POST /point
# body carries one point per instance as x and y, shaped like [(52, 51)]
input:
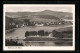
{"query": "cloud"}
[(36, 8)]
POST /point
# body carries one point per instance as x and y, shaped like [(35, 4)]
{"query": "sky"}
[(38, 7)]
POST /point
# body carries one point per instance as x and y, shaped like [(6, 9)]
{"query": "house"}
[(39, 24), (23, 25)]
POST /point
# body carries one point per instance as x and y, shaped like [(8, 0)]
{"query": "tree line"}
[(35, 33), (54, 33)]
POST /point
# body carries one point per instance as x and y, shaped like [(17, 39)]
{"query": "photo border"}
[(56, 2)]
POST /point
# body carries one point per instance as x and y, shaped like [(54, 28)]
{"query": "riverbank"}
[(10, 30), (46, 39)]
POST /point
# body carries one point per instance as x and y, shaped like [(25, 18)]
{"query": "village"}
[(12, 23)]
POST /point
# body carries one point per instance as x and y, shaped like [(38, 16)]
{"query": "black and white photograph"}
[(39, 27)]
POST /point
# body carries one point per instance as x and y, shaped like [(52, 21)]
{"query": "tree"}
[(26, 33), (34, 33), (41, 32), (27, 21), (8, 22), (46, 33), (54, 32), (57, 34)]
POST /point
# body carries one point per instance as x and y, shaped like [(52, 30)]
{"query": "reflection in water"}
[(48, 43), (38, 43)]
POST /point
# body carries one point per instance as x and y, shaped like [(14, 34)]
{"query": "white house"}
[(39, 24)]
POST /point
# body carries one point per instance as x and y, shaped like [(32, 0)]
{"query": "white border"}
[(49, 48)]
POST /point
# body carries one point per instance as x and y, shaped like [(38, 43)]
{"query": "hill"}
[(46, 15)]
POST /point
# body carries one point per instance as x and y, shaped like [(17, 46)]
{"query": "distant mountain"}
[(41, 16)]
